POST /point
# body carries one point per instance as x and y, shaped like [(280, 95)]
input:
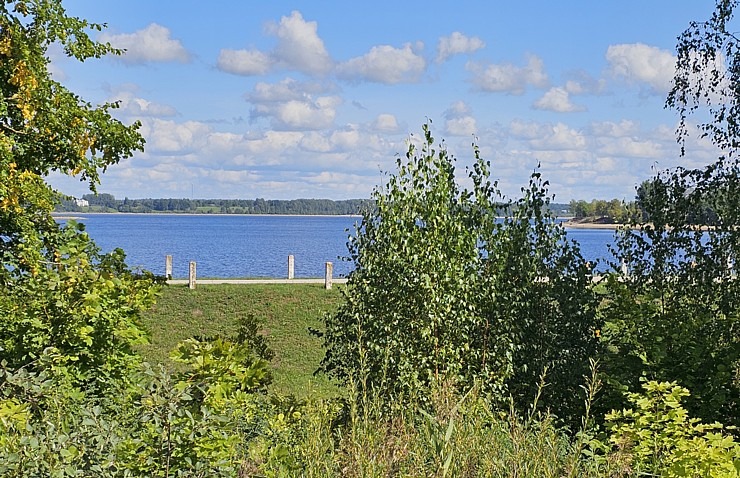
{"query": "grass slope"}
[(285, 310)]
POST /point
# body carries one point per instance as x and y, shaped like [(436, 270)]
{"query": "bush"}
[(443, 290), (656, 437)]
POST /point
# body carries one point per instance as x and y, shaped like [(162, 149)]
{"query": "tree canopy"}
[(62, 302), (675, 317)]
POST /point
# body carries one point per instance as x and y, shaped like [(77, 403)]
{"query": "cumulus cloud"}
[(580, 82), (386, 123), (299, 45), (300, 115), (557, 99), (457, 44), (632, 148), (298, 48), (507, 77), (286, 90), (625, 139), (166, 136), (244, 62), (459, 120), (294, 106), (616, 130), (151, 44), (130, 104), (557, 137), (640, 63), (384, 64)]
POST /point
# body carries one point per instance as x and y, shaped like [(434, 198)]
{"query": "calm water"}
[(250, 246)]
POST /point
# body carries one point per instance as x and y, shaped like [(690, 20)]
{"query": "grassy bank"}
[(286, 312)]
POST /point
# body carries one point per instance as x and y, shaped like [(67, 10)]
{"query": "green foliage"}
[(656, 437), (441, 289), (48, 427), (195, 423), (59, 297), (80, 314), (676, 316), (614, 210), (452, 435)]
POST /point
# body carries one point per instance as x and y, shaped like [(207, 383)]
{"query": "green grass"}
[(285, 310)]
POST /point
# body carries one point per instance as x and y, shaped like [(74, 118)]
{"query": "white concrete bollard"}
[(168, 267), (191, 276), (291, 266), (328, 274)]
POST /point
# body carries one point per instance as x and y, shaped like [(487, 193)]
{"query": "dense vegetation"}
[(432, 266), (104, 202), (468, 345), (615, 210), (108, 203)]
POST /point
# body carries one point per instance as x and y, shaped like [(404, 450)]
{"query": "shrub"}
[(657, 437), (443, 290)]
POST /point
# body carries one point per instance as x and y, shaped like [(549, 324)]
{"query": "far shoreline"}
[(593, 225), (81, 215)]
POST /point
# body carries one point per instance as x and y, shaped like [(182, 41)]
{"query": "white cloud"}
[(457, 44), (459, 120), (384, 64), (457, 109), (640, 63), (632, 148), (224, 142), (315, 142), (286, 90), (557, 99), (386, 123), (579, 82), (272, 143), (165, 136), (525, 130), (615, 130), (151, 44), (507, 77), (244, 62), (130, 104), (299, 45), (298, 48), (557, 137), (300, 115), (465, 126), (294, 106), (347, 139)]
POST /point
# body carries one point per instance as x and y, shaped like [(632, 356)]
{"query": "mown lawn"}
[(285, 310)]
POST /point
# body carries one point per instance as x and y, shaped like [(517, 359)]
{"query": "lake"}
[(231, 246)]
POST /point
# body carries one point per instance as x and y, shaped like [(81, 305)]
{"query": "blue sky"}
[(287, 100)]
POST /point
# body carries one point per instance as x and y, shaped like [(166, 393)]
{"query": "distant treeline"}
[(108, 203), (615, 210), (104, 202), (701, 212)]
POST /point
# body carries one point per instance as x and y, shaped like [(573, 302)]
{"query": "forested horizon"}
[(104, 202)]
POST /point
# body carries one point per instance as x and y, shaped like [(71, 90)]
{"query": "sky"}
[(289, 99)]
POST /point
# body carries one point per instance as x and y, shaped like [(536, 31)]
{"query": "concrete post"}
[(625, 271), (291, 266), (168, 267), (328, 274), (191, 276)]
